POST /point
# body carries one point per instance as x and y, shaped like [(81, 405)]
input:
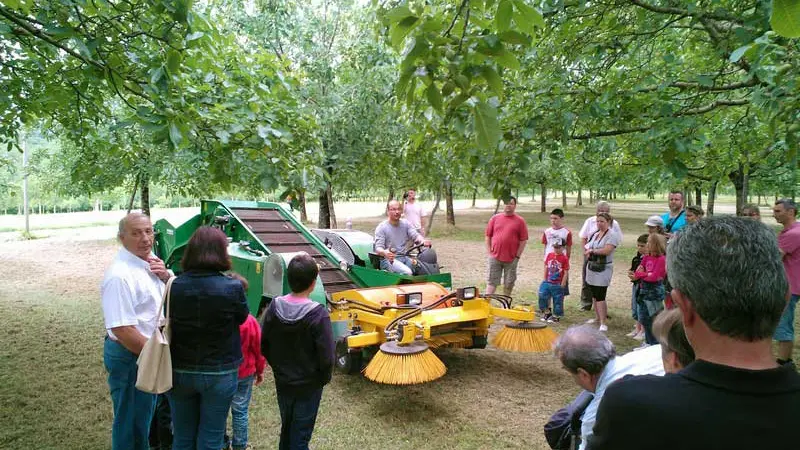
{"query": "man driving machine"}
[(393, 237)]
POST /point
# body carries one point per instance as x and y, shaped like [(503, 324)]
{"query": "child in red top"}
[(252, 368), (556, 273), (651, 273)]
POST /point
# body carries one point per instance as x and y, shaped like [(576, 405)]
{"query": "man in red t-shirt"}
[(506, 236), (784, 212)]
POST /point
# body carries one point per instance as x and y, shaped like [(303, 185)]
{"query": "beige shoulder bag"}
[(154, 374)]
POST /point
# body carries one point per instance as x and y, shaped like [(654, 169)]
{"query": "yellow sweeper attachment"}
[(405, 322)]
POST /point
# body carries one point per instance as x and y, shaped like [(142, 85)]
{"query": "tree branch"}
[(685, 12)]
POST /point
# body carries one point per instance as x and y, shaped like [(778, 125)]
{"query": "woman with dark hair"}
[(599, 252), (206, 309)]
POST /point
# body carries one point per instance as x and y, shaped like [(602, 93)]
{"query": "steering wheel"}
[(413, 251)]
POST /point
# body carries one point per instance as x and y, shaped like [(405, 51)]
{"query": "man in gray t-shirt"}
[(393, 235)]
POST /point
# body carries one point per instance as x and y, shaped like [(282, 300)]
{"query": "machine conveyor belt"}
[(281, 236)]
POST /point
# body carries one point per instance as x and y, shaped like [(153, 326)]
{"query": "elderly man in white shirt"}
[(587, 230), (130, 293), (590, 357)]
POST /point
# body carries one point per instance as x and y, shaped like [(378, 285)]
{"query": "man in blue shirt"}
[(675, 219)]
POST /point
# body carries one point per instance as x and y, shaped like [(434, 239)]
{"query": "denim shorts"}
[(785, 330)]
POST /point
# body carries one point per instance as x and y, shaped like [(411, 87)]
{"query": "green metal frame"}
[(170, 242)]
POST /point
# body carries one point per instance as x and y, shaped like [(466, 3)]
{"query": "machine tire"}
[(479, 342), (348, 361)]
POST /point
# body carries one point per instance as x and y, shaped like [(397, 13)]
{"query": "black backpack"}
[(563, 430)]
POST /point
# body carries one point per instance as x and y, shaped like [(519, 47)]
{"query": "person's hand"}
[(259, 378), (640, 269), (587, 252), (426, 243), (389, 255), (158, 268)]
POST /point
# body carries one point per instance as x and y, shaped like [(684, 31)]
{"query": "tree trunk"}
[(145, 195), (497, 206), (563, 198), (448, 192), (324, 210), (433, 211), (301, 197), (740, 181), (591, 196), (474, 196), (544, 197), (579, 199), (391, 197), (331, 208), (133, 194), (698, 197), (533, 195), (712, 196)]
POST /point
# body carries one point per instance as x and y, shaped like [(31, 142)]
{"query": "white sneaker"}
[(591, 321), (640, 336), (632, 333), (603, 328)]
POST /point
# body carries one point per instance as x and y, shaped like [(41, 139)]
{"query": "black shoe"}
[(586, 307)]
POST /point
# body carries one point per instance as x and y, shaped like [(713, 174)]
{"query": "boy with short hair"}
[(297, 340), (557, 230), (556, 273)]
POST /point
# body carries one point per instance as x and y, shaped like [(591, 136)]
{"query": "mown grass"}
[(54, 394)]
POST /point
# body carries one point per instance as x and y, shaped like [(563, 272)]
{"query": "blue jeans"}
[(239, 413), (133, 409), (547, 291), (650, 301), (200, 403), (298, 415), (401, 264), (785, 330), (634, 306)]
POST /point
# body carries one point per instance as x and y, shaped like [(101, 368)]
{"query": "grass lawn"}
[(54, 394)]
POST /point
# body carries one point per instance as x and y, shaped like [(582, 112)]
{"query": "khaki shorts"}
[(508, 271)]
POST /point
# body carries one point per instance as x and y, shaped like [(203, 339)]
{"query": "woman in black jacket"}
[(206, 310)]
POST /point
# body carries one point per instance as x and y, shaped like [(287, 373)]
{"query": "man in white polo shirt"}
[(130, 293)]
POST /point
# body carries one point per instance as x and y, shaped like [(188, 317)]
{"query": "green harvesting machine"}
[(263, 239)]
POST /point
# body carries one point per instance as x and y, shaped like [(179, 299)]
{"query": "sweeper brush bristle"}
[(530, 337), (454, 340), (404, 364)]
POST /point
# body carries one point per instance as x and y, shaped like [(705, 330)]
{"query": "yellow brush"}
[(527, 337), (404, 364)]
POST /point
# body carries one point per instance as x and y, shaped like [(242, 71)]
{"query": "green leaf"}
[(502, 21), (175, 135), (515, 37), (173, 62), (194, 36), (434, 97), (402, 82), (81, 47), (157, 74), (493, 80), (737, 54), (529, 16), (398, 14), (412, 88), (401, 30), (487, 128), (785, 19), (705, 80), (462, 81), (507, 59), (419, 50)]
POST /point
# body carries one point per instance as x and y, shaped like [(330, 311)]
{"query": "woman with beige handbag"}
[(206, 310)]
